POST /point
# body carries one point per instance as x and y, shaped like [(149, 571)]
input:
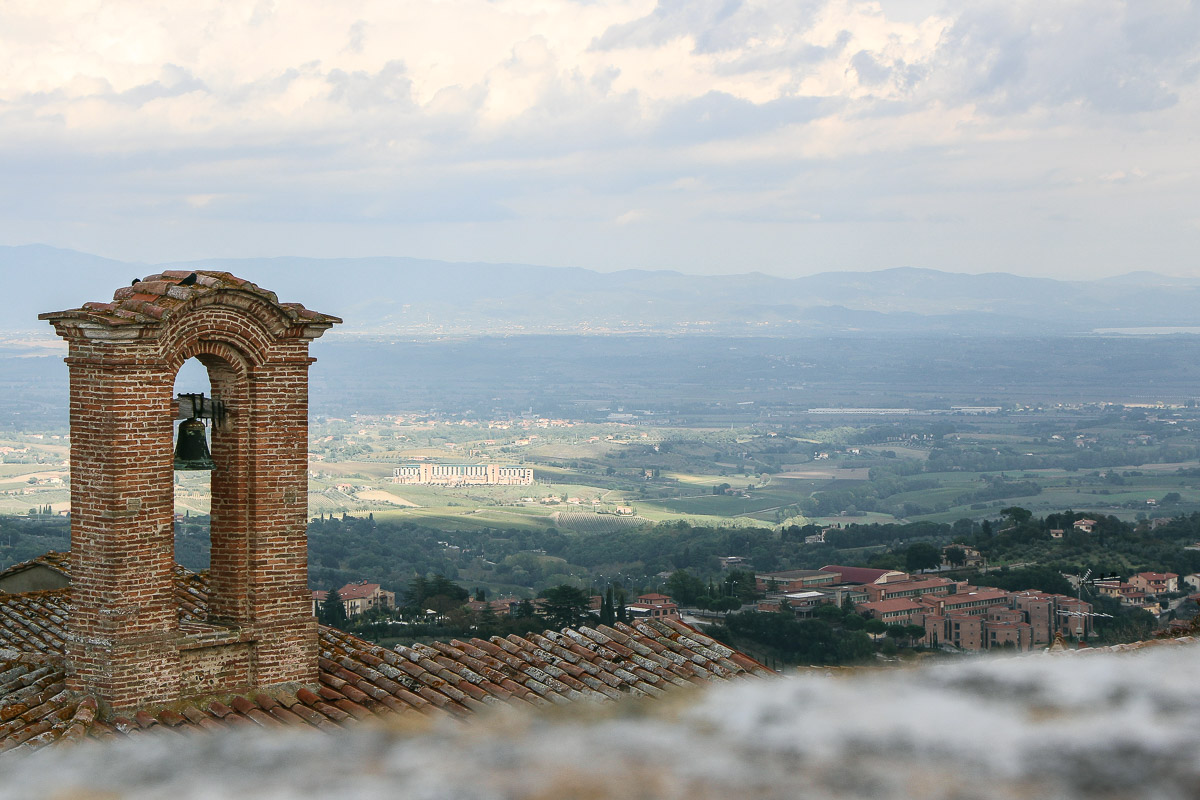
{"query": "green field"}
[(1097, 461)]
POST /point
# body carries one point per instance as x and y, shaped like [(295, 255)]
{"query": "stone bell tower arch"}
[(126, 641)]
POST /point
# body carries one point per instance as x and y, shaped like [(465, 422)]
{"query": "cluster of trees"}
[(1123, 623), (565, 605), (1112, 546), (434, 606), (729, 594), (833, 635), (438, 594), (344, 549), (921, 556), (23, 538), (890, 485), (872, 495), (347, 548), (999, 488), (782, 637)]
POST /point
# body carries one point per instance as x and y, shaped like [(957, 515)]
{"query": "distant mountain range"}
[(407, 296)]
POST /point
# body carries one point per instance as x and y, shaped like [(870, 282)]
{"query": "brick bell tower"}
[(126, 642)]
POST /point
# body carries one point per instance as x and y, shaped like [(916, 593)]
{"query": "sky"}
[(1054, 138)]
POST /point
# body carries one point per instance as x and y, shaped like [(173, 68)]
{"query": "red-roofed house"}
[(359, 598), (1127, 593), (653, 605), (1113, 588), (652, 610), (970, 556), (1156, 582)]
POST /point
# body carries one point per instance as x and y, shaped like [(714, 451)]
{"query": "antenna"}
[(1085, 582)]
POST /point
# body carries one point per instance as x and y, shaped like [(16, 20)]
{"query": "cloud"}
[(175, 82), (357, 36), (1114, 57), (670, 19), (721, 116), (793, 112), (388, 88)]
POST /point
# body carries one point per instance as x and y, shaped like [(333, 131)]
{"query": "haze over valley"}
[(421, 297)]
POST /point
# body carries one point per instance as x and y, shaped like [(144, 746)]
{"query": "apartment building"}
[(911, 588)]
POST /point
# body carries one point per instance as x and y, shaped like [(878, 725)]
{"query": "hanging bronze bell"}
[(191, 451)]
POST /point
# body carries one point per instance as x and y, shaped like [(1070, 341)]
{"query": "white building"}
[(462, 475)]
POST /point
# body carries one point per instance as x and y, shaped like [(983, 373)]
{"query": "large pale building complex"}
[(462, 475)]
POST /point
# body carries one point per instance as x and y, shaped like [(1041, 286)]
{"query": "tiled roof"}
[(791, 574), (153, 298), (191, 590), (915, 583), (859, 574), (359, 680), (59, 562), (977, 728), (33, 622), (895, 604), (358, 591), (35, 707)]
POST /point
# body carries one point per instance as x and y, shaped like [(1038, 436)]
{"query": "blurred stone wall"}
[(1071, 725)]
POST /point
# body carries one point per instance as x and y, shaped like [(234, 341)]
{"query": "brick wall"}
[(125, 642)]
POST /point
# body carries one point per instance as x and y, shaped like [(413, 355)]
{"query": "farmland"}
[(592, 477), (631, 501)]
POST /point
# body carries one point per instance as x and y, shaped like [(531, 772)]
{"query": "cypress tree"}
[(608, 614), (333, 610)]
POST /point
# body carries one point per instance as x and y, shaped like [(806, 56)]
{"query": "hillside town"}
[(931, 611)]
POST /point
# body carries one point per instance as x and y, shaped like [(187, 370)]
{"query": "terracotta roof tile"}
[(144, 719), (219, 709), (201, 720), (353, 709), (156, 297), (357, 680), (310, 716)]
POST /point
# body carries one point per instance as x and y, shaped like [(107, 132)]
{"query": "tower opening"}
[(193, 487)]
